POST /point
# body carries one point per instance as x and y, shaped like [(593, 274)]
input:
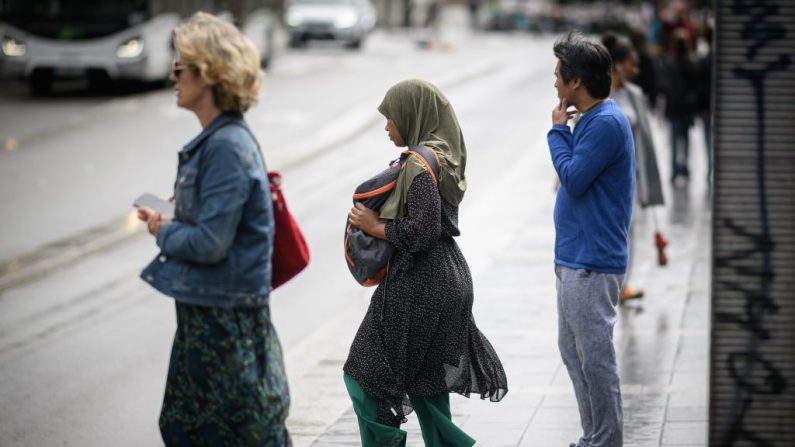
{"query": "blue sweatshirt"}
[(596, 166)]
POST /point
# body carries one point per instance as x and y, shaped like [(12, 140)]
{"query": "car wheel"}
[(99, 80), (40, 87), (354, 44), (297, 42), (40, 82)]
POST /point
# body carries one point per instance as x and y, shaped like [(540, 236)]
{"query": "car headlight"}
[(13, 47), (294, 20), (345, 20), (131, 48)]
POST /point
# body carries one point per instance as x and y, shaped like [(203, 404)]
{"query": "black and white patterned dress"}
[(419, 336)]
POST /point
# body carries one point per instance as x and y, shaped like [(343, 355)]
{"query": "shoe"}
[(660, 242), (629, 293)]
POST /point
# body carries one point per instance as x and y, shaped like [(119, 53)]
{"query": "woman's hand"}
[(367, 220), (152, 218)]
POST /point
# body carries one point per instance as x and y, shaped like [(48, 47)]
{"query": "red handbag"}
[(290, 250)]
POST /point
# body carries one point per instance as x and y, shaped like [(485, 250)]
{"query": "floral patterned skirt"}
[(226, 383)]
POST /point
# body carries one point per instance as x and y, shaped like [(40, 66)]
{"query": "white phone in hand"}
[(164, 207)]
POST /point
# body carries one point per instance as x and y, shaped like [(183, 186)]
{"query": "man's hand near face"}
[(561, 114)]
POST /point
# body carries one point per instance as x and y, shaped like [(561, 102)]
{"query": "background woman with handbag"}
[(418, 341), (226, 383)]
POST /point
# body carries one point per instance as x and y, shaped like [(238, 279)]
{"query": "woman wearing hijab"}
[(633, 103), (418, 341)]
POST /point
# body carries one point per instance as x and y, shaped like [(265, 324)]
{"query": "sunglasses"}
[(177, 69)]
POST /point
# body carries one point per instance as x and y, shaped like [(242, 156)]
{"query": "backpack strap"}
[(429, 158)]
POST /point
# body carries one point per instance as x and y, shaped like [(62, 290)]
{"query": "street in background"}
[(45, 40)]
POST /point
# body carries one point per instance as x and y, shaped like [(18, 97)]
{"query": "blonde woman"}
[(226, 383)]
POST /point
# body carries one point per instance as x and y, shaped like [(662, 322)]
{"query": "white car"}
[(348, 21), (46, 40)]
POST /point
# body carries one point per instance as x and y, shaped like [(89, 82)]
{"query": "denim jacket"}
[(217, 251)]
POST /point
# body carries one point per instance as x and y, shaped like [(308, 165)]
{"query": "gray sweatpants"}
[(586, 315)]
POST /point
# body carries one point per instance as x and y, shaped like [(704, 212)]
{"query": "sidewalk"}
[(662, 340)]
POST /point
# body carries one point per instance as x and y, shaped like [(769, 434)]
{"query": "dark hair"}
[(681, 44), (585, 60), (638, 40), (619, 47)]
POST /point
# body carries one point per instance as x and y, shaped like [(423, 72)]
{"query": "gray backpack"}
[(367, 256)]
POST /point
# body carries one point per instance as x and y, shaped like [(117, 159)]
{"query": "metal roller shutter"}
[(752, 378)]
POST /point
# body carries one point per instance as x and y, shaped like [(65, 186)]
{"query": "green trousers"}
[(438, 429)]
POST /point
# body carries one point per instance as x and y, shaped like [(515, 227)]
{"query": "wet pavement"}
[(661, 340)]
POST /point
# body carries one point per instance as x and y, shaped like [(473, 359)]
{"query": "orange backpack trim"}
[(425, 162)]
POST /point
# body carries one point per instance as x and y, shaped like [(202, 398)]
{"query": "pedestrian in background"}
[(632, 102), (704, 94), (681, 96), (226, 383), (418, 341), (676, 20), (474, 14), (646, 77), (596, 167)]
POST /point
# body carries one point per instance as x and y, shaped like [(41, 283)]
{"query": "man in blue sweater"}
[(596, 167)]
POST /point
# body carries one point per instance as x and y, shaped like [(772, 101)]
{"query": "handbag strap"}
[(244, 126), (274, 178)]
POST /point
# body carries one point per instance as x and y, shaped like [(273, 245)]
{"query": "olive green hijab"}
[(424, 117)]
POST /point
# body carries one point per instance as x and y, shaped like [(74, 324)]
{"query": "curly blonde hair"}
[(223, 57)]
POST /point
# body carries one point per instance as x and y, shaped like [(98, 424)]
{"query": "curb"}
[(33, 265)]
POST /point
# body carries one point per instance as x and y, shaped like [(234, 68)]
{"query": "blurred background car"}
[(347, 21), (260, 26), (47, 40)]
